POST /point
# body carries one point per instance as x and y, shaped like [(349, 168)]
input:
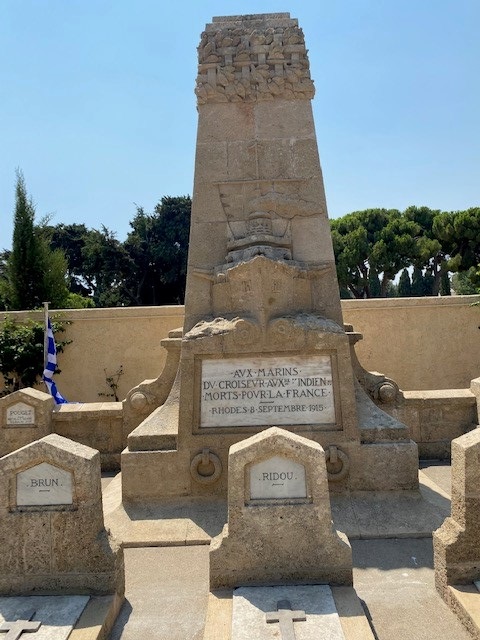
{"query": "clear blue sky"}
[(97, 105)]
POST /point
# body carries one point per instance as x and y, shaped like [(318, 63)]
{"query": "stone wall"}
[(435, 418), (105, 339), (421, 343)]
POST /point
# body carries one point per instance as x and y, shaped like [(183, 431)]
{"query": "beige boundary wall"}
[(421, 343), (105, 339)]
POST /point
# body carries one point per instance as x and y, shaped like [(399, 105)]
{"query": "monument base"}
[(152, 475), (238, 377)]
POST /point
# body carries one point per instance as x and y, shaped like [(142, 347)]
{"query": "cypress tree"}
[(33, 272), (445, 289), (404, 289), (374, 286), (418, 287), (24, 262)]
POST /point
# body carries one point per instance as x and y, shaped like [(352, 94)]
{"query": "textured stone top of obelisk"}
[(253, 57)]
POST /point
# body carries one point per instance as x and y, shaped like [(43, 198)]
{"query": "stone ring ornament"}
[(138, 401), (386, 391), (337, 459), (206, 467)]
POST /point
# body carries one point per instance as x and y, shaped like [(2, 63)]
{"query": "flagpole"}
[(45, 333)]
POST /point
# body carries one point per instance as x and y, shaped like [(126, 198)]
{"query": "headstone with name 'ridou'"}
[(52, 533), (279, 528), (264, 342)]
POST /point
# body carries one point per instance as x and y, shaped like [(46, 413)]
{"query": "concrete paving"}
[(167, 586), (394, 579)]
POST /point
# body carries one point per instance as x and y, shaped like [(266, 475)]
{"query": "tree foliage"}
[(430, 243), (149, 268), (31, 272), (158, 247), (404, 288), (381, 240), (459, 232), (379, 253), (21, 351)]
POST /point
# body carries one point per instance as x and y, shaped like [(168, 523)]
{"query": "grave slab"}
[(305, 612), (57, 614)]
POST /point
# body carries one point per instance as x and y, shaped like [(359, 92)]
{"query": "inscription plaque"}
[(267, 391), (20, 414), (44, 485), (277, 477)]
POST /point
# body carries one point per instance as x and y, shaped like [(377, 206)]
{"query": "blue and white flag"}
[(50, 367)]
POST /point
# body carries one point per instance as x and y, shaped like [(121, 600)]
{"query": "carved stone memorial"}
[(264, 342), (279, 526), (25, 416), (52, 534)]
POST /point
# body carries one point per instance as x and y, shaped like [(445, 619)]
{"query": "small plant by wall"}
[(112, 381), (21, 351)]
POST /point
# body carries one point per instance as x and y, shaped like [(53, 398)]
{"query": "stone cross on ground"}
[(286, 617), (16, 629)]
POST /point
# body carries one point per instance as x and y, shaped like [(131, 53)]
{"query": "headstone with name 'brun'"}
[(264, 342), (25, 416), (52, 533), (279, 528)]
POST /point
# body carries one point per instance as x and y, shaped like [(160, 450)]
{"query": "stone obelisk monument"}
[(263, 343)]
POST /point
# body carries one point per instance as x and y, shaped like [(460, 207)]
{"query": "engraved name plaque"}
[(44, 485), (20, 414), (267, 391), (277, 477)]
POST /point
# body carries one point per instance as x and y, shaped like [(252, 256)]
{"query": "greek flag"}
[(50, 367)]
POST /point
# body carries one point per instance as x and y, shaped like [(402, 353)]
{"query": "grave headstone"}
[(52, 533), (279, 526), (25, 416), (456, 543)]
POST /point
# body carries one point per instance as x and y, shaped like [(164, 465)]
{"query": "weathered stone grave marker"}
[(264, 343), (52, 534), (25, 416), (279, 526)]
